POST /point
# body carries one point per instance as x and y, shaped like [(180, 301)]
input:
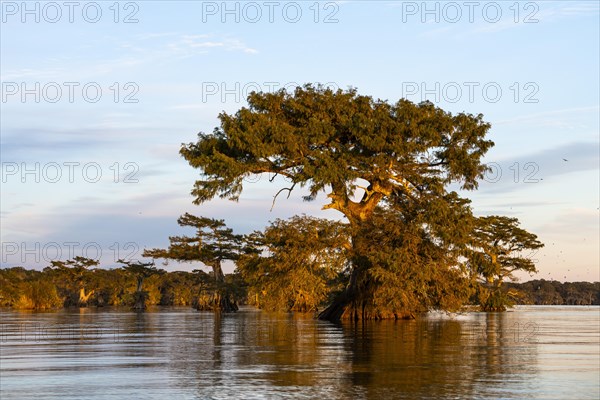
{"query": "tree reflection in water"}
[(279, 354), (182, 353)]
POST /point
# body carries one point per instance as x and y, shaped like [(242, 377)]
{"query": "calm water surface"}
[(179, 353)]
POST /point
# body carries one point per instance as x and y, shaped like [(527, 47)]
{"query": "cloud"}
[(134, 53), (100, 137), (166, 152), (36, 145), (189, 45), (539, 167), (484, 22), (154, 48), (574, 225), (156, 35), (194, 106), (563, 118), (568, 9), (530, 203), (30, 73), (514, 208), (141, 220)]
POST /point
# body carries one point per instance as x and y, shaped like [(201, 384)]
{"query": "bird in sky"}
[(564, 159)]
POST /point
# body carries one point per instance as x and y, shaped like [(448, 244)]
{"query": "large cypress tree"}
[(365, 155)]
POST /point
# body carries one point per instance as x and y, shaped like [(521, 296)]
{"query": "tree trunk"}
[(351, 303), (340, 307), (139, 303), (83, 297), (218, 273), (218, 299), (140, 283), (356, 301)]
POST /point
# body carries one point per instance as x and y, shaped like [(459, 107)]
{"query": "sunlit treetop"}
[(212, 243), (327, 140), (501, 247)]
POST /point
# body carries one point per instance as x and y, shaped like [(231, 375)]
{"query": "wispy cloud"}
[(135, 52), (189, 45), (540, 167), (193, 106), (552, 118), (575, 225), (30, 73), (510, 18)]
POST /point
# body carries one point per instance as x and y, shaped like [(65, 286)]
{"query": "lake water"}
[(178, 353)]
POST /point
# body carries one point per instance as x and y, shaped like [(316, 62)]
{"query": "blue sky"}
[(97, 98)]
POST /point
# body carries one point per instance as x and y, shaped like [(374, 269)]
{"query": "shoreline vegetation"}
[(24, 289), (405, 242)]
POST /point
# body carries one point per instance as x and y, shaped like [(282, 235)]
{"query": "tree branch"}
[(289, 189), (404, 183)]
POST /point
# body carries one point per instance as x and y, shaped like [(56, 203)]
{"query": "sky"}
[(97, 98)]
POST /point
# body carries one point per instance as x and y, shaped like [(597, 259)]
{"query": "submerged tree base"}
[(342, 309), (216, 301), (139, 301)]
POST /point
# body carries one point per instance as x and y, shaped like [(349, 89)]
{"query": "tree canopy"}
[(77, 271), (499, 248), (329, 140), (297, 265), (141, 271), (369, 156), (214, 242)]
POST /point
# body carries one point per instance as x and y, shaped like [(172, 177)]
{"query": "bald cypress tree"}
[(296, 264), (499, 248), (212, 244), (76, 276), (365, 154), (140, 271)]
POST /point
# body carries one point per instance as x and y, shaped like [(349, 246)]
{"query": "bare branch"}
[(289, 189)]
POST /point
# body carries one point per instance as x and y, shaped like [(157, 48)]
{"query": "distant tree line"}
[(53, 287), (543, 292), (280, 289)]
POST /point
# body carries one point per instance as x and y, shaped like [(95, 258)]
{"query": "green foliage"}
[(10, 280), (112, 287), (543, 292), (493, 298), (213, 243), (325, 139), (333, 142), (140, 271), (179, 288), (27, 289), (498, 249), (300, 259), (38, 295), (237, 287), (30, 289), (405, 266), (73, 277)]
